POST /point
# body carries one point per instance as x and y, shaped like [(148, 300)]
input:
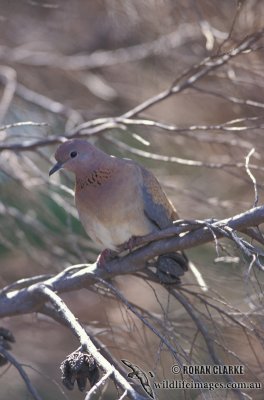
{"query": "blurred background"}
[(67, 62)]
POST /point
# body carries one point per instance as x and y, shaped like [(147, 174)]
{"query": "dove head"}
[(76, 155)]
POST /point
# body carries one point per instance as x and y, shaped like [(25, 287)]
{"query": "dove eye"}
[(73, 154)]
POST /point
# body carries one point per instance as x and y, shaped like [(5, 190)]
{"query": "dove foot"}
[(105, 256), (133, 242)]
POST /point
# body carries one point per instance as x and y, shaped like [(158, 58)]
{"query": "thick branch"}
[(25, 300)]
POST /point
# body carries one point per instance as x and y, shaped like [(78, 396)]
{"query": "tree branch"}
[(22, 373), (73, 278), (47, 294)]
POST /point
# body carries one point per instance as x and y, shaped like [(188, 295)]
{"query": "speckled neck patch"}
[(95, 178)]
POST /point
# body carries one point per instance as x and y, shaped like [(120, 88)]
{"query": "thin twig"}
[(86, 343), (9, 75), (143, 320), (203, 69), (252, 176), (100, 383), (52, 313), (23, 123), (207, 337), (22, 373), (99, 59), (174, 159)]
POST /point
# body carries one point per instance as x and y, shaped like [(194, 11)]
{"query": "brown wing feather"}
[(157, 206)]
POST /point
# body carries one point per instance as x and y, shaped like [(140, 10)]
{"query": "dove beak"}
[(55, 168)]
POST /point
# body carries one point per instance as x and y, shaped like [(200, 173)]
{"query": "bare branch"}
[(48, 294), (101, 125), (252, 177), (207, 337), (163, 44), (198, 72), (46, 81), (24, 123), (9, 75), (76, 277), (22, 373), (98, 385)]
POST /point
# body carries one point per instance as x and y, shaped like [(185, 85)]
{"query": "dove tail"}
[(171, 266)]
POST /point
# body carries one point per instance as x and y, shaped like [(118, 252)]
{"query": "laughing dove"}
[(118, 199)]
